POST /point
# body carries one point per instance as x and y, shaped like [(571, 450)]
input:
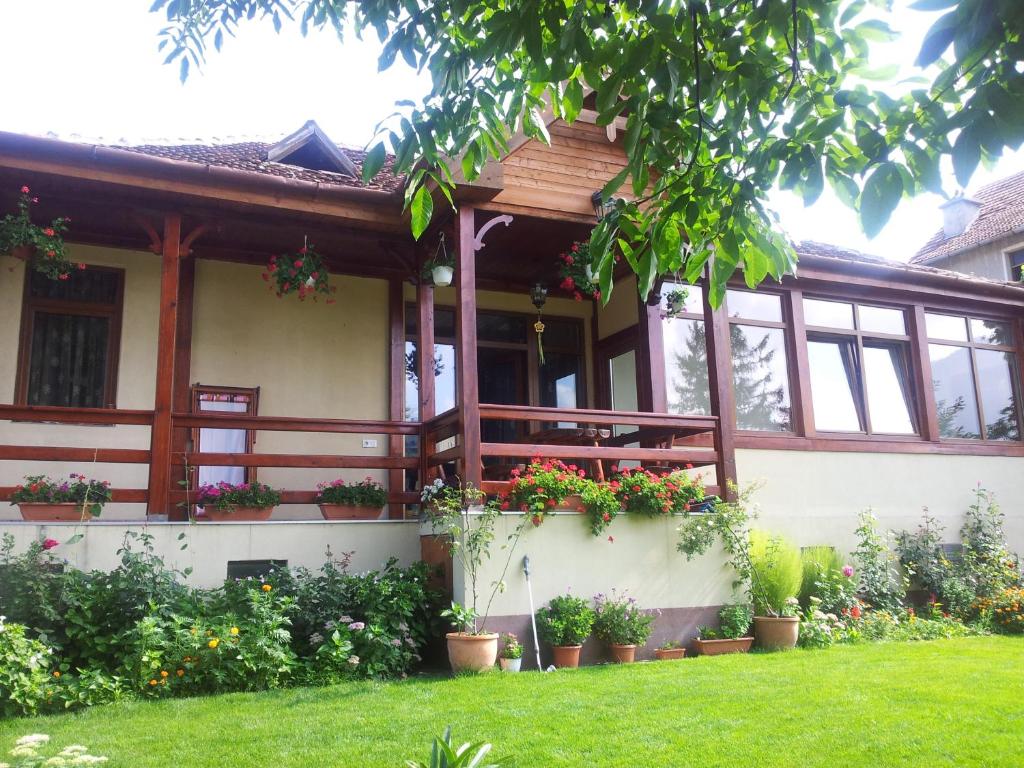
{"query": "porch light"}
[(602, 207), (539, 295)]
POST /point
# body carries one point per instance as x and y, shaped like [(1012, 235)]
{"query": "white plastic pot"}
[(442, 276)]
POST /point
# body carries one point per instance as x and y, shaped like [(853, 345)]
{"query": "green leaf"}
[(937, 40), (966, 156), (572, 104), (421, 209), (882, 192), (374, 161)]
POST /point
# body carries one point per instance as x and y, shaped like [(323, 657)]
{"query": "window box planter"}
[(566, 656), (719, 647), (623, 654), (776, 633), (472, 653), (667, 654), (236, 514), (573, 503), (349, 512), (43, 512)]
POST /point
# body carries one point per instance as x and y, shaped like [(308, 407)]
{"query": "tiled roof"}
[(827, 250), (252, 156), (1001, 214)]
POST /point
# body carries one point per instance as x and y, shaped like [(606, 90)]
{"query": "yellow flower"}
[(181, 673), (152, 682), (267, 587), (213, 643), (163, 673), (234, 630), (194, 630), (56, 673)]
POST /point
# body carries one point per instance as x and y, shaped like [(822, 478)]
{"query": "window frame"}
[(114, 313), (253, 409), (972, 347), (826, 334), (1012, 254)]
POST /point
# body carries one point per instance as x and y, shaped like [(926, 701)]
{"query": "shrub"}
[(89, 494), (227, 497), (879, 584), (642, 492), (1007, 610), (87, 688), (24, 671), (602, 506), (32, 751), (620, 621), (30, 587), (543, 486), (565, 620), (444, 754), (776, 573), (826, 578), (987, 564), (734, 620), (366, 493), (922, 556), (818, 628)]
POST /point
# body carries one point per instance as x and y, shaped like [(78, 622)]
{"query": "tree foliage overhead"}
[(723, 100)]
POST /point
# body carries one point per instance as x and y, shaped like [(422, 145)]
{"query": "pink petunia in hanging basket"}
[(303, 273)]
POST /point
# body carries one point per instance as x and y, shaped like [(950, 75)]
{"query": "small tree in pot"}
[(776, 575), (564, 623)]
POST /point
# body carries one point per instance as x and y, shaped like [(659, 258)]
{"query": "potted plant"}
[(776, 574), (77, 499), (246, 502), (731, 636), (578, 277), (564, 623), (622, 625), (360, 501), (467, 531), (546, 486), (642, 492), (674, 303), (303, 272), (511, 657), (440, 267), (42, 248), (669, 650)]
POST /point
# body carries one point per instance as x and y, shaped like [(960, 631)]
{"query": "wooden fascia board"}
[(371, 208)]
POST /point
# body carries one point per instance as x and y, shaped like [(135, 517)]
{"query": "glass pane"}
[(754, 306), (995, 375), (991, 332), (953, 384), (95, 286), (68, 360), (693, 303), (888, 388), (622, 381), (946, 327), (560, 378), (686, 366), (444, 322), (562, 333), (222, 441), (828, 314), (882, 320), (444, 379), (834, 387), (760, 378), (496, 327)]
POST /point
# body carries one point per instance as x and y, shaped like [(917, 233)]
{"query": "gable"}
[(310, 148)]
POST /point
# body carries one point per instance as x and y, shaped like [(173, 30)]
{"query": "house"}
[(982, 234), (861, 383)]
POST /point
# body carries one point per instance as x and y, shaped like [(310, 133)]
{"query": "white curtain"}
[(222, 441)]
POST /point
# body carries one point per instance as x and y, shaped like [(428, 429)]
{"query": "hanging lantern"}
[(539, 296)]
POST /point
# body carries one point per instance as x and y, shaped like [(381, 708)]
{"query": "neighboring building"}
[(983, 234), (861, 383)]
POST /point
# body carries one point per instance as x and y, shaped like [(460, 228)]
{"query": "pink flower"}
[(847, 571), (48, 232), (24, 190), (298, 264), (50, 543), (356, 626)]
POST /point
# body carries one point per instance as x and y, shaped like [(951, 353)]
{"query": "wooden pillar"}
[(425, 371), (181, 398), (921, 367), (465, 341), (160, 434), (796, 343), (652, 395), (396, 386), (720, 387)]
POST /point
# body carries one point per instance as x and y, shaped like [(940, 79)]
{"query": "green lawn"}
[(944, 703)]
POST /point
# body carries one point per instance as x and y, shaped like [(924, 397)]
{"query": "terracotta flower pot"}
[(572, 503), (666, 654), (236, 514), (776, 633), (23, 252), (41, 512), (348, 512), (472, 653), (510, 665), (566, 656), (623, 654), (727, 645)]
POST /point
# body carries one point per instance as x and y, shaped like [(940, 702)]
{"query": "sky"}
[(91, 70)]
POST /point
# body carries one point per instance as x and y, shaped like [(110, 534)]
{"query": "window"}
[(974, 377), (858, 356), (1016, 264), (70, 338), (237, 400), (686, 353), (759, 366)]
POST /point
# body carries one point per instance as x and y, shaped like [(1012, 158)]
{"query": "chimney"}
[(958, 214)]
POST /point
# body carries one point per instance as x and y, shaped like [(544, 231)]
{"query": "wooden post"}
[(653, 395), (181, 399), (803, 407), (720, 388), (425, 371), (160, 435), (465, 341), (396, 367), (921, 367)]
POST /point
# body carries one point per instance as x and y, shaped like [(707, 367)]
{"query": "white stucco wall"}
[(989, 260)]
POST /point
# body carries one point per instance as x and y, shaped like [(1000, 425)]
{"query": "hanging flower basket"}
[(674, 303), (303, 272), (42, 248), (439, 268), (579, 279)]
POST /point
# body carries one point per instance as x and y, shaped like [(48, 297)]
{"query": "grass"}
[(943, 703)]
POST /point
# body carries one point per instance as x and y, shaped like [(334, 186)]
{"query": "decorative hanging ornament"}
[(539, 295)]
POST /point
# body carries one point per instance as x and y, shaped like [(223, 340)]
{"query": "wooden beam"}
[(660, 455), (651, 374), (296, 460), (118, 495), (212, 420), (82, 455), (720, 388), (921, 371), (160, 434), (58, 415), (425, 372), (396, 387), (181, 398), (466, 346), (803, 408)]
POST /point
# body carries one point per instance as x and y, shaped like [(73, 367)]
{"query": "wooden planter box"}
[(718, 647), (667, 654), (236, 515), (42, 512), (349, 512)]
